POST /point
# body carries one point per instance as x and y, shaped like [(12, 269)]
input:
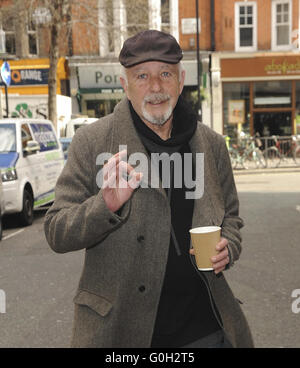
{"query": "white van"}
[(31, 160)]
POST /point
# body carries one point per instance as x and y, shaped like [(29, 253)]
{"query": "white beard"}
[(156, 98)]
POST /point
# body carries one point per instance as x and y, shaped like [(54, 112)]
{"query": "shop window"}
[(236, 102), (272, 94), (281, 24), (245, 26)]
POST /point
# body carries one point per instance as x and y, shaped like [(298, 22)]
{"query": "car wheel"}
[(26, 216)]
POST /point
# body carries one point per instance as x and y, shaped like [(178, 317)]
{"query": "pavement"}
[(274, 170)]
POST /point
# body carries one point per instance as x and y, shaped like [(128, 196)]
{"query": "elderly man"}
[(139, 286)]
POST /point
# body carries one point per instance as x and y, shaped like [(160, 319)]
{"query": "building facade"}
[(255, 68), (24, 44), (94, 78), (246, 75)]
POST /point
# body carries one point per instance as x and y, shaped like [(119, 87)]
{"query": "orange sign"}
[(260, 66)]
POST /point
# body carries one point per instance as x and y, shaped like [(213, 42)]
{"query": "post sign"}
[(189, 25), (6, 73), (236, 111)]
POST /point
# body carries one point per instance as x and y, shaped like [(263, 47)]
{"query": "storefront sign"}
[(29, 77), (283, 67), (24, 77), (260, 67), (108, 76), (236, 111), (100, 76)]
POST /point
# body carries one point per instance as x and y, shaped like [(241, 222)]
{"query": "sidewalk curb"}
[(278, 170)]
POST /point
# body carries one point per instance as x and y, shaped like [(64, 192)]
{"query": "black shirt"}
[(184, 313)]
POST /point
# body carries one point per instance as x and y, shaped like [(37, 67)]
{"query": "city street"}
[(39, 285)]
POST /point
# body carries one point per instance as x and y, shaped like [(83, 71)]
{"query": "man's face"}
[(153, 88)]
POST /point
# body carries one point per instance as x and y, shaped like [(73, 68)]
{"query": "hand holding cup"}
[(214, 247)]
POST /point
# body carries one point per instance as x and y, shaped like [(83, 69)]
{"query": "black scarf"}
[(184, 127)]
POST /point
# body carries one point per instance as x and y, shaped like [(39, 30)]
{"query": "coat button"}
[(112, 221), (142, 288), (140, 238)]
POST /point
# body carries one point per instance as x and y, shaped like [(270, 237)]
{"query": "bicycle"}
[(275, 154), (248, 155)]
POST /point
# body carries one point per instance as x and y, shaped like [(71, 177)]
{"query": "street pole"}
[(199, 67), (6, 100)]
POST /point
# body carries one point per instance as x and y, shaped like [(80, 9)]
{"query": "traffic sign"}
[(5, 73)]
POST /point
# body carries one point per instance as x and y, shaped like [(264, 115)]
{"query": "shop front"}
[(28, 91), (96, 88), (261, 94)]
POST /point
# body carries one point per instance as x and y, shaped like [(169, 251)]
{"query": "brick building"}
[(249, 56), (255, 69)]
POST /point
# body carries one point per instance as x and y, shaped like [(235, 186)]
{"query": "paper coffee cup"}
[(204, 241)]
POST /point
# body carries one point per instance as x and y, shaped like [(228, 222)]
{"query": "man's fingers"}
[(134, 182), (221, 264), (122, 176), (220, 256), (222, 244), (113, 162), (124, 169)]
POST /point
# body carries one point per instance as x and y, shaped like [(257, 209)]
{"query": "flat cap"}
[(150, 45)]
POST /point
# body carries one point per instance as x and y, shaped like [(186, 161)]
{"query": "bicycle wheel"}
[(259, 159), (272, 157), (233, 158), (296, 155)]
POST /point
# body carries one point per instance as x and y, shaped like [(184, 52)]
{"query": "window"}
[(281, 24), (272, 94), (165, 15), (231, 93), (26, 135), (32, 37), (8, 21), (45, 136), (8, 138), (9, 29), (245, 26)]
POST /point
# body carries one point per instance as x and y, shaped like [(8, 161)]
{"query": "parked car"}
[(31, 159), (65, 143), (1, 206)]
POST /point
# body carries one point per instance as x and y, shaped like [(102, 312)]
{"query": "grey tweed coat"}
[(126, 253)]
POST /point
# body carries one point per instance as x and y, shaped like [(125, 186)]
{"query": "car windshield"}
[(8, 138)]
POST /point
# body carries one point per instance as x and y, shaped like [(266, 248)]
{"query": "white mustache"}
[(157, 98)]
